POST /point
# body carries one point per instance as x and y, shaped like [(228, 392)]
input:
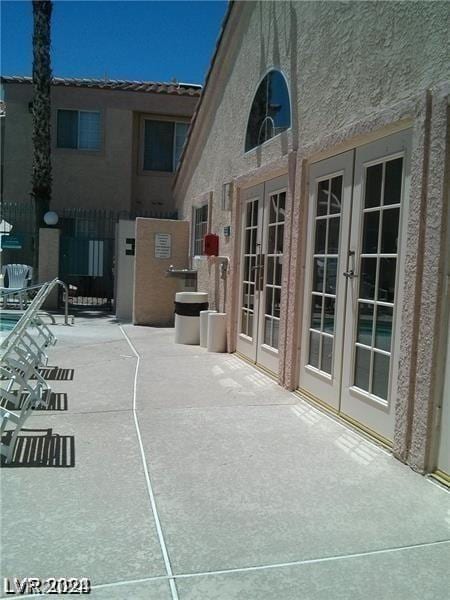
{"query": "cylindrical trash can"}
[(217, 332), (204, 327), (188, 306)]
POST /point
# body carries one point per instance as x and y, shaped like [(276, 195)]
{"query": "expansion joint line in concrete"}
[(151, 494), (295, 563)]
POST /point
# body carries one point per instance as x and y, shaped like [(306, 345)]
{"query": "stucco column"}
[(49, 261), (412, 280), (288, 293), (294, 275), (431, 307), (233, 276)]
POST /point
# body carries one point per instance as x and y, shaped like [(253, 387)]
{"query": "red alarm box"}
[(211, 244)]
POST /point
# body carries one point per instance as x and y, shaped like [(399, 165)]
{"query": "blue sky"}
[(141, 40)]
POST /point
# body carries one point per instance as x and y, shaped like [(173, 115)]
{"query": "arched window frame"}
[(263, 76)]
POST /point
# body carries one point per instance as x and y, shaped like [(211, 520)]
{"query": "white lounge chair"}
[(18, 397), (19, 277), (22, 386)]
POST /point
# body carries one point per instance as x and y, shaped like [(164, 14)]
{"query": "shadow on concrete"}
[(92, 312), (48, 450), (56, 374), (102, 313), (56, 402)]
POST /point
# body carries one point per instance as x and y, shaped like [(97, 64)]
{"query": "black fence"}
[(18, 238), (87, 249), (87, 246)]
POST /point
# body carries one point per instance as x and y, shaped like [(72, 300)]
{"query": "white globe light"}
[(51, 218)]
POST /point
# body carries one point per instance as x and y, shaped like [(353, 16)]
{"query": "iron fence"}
[(18, 237), (87, 248)]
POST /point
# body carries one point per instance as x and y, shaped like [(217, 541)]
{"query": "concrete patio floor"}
[(246, 492)]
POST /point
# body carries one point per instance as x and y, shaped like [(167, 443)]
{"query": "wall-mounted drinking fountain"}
[(189, 276)]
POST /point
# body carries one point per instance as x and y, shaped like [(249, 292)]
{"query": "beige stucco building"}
[(115, 144), (319, 155)]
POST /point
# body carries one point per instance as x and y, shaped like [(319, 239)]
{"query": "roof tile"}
[(179, 89)]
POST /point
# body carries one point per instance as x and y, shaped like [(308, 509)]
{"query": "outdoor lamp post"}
[(51, 218)]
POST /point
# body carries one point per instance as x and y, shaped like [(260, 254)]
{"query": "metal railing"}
[(43, 292)]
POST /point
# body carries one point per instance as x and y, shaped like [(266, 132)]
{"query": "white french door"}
[(262, 238), (443, 458), (353, 278)]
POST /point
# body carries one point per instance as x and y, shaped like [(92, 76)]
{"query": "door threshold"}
[(261, 368), (345, 419), (441, 477)]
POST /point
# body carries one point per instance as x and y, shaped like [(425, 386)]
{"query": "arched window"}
[(271, 110)]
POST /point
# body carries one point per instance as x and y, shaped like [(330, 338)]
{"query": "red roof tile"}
[(179, 89)]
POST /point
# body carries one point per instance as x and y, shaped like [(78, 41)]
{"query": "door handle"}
[(350, 274), (260, 274)]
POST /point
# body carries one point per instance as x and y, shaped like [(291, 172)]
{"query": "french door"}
[(353, 281), (443, 459), (262, 237)]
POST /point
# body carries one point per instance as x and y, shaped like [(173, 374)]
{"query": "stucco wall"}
[(356, 71), (124, 270), (49, 261), (108, 178), (343, 61), (154, 291)]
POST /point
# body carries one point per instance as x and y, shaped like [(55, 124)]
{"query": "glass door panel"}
[(262, 239), (324, 299), (272, 248), (378, 262), (326, 223), (374, 282), (273, 269), (443, 449), (249, 271), (251, 218)]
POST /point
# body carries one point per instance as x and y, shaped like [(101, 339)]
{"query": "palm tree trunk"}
[(42, 75)]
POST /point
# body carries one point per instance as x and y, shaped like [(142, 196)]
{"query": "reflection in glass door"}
[(325, 261), (273, 269), (378, 265), (262, 237), (249, 274)]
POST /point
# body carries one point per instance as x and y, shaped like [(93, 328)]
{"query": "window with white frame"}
[(200, 222), (163, 144), (78, 129)]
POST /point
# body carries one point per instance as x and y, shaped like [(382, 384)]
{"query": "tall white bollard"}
[(204, 327), (217, 332)]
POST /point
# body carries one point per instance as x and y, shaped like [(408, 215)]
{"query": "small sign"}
[(12, 242), (130, 246), (163, 245)]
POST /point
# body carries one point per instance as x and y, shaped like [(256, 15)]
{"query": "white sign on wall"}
[(163, 245)]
